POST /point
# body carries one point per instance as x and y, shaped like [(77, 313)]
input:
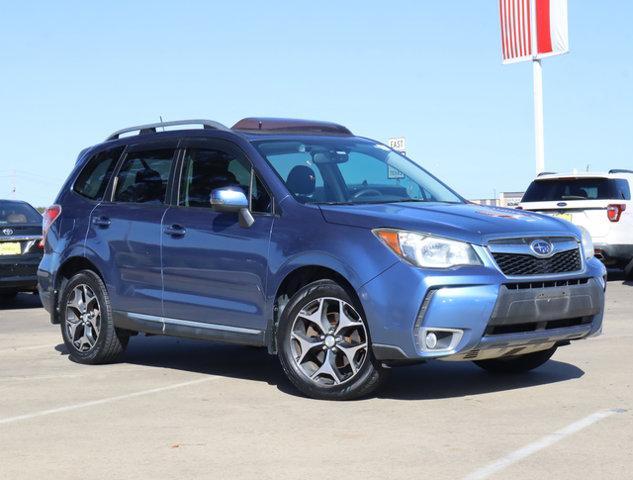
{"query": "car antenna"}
[(161, 121)]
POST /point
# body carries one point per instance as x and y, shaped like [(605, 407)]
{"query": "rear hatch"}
[(580, 200), (20, 229)]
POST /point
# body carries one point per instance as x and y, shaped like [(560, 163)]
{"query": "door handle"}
[(101, 221), (175, 231)]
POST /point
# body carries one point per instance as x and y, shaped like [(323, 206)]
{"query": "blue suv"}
[(338, 254)]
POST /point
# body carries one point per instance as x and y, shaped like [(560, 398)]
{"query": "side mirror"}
[(232, 200)]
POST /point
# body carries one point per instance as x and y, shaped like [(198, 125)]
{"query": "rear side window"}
[(93, 179), (567, 189), (144, 176)]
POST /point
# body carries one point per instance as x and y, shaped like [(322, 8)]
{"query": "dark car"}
[(335, 252), (20, 248)]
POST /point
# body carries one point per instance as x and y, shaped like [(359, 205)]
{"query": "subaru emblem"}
[(541, 248), (7, 231)]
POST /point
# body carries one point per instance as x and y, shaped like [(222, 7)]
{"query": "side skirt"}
[(188, 329)]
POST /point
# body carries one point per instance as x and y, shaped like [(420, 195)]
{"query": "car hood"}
[(467, 222)]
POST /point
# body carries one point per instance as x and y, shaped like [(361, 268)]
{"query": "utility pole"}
[(13, 184)]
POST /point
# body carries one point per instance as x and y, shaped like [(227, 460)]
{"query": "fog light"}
[(430, 340), (439, 339)]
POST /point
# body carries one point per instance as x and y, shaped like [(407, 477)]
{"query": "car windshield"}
[(12, 213), (351, 171), (565, 189)]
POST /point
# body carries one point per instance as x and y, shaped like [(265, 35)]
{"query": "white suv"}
[(599, 202)]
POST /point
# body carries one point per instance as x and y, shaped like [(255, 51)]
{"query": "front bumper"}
[(495, 316)]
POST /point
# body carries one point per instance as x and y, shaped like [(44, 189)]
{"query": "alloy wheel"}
[(329, 341), (83, 318)]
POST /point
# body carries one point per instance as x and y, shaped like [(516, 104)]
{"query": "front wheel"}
[(86, 321), (324, 344), (518, 363)]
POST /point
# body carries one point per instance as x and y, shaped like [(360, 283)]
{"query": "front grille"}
[(512, 264)]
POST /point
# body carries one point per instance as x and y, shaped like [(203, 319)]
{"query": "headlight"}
[(428, 251), (587, 243)]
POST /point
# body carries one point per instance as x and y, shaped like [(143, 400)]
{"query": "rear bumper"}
[(614, 255), (19, 273), (488, 315)]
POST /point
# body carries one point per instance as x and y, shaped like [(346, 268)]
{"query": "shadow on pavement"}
[(439, 380), (435, 380), (21, 302)]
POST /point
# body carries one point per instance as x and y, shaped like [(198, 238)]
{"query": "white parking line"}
[(32, 347), (540, 444), (92, 403)]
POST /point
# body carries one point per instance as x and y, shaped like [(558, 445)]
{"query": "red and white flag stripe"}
[(532, 29)]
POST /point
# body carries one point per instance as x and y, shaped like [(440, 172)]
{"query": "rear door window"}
[(144, 176), (93, 179), (565, 189)]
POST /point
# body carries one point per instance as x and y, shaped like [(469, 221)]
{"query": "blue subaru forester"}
[(338, 254)]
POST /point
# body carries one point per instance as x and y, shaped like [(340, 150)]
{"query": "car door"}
[(125, 231), (214, 270)]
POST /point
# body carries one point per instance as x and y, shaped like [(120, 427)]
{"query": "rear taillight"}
[(48, 217), (614, 212)]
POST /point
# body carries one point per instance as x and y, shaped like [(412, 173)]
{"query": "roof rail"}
[(620, 170), (546, 173), (289, 125), (151, 127)]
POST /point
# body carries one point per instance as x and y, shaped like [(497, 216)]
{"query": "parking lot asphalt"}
[(185, 409)]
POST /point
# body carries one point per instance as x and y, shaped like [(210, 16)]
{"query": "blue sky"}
[(72, 72)]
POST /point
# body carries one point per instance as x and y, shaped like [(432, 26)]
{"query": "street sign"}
[(399, 144)]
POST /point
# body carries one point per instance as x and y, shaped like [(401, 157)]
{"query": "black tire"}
[(628, 270), (369, 376), (110, 342), (6, 296), (516, 364)]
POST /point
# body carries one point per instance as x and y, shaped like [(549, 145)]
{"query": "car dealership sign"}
[(533, 29)]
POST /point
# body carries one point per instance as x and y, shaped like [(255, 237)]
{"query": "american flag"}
[(532, 29)]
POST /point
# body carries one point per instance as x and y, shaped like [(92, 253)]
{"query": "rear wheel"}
[(518, 363), (324, 344), (86, 321)]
